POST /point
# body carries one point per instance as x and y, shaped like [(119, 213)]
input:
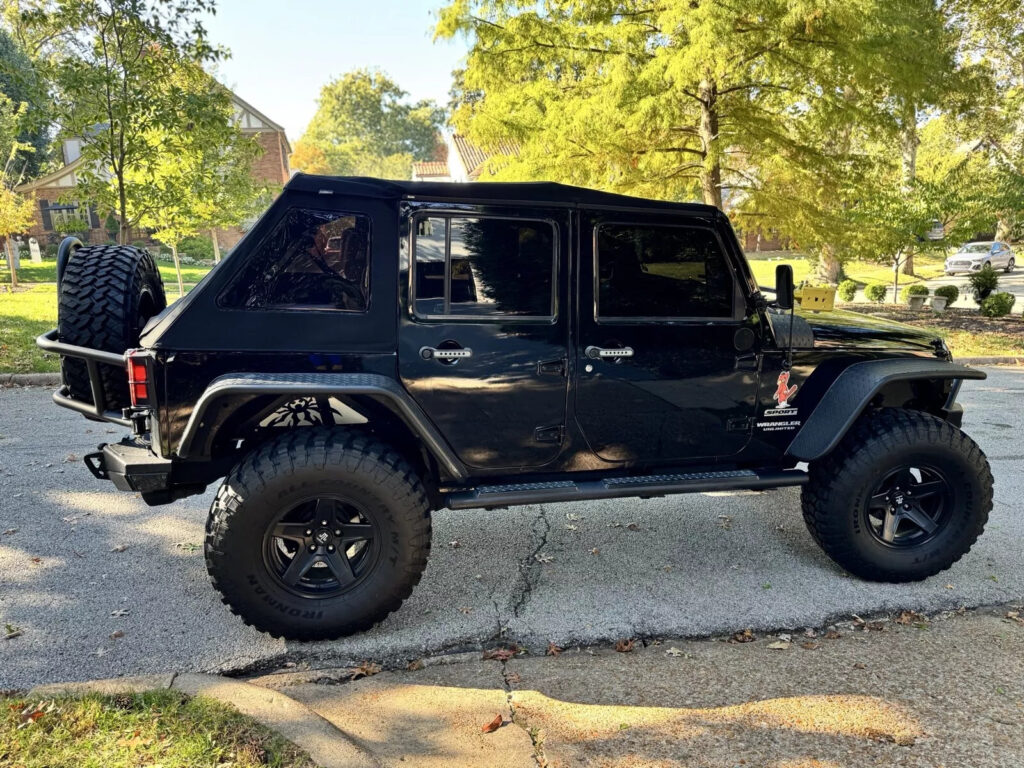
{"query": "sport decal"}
[(783, 392)]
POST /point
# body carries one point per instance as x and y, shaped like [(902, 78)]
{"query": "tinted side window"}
[(660, 272), (312, 259), (485, 267)]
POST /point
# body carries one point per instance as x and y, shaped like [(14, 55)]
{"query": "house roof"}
[(262, 117), (473, 157), (430, 168), (523, 192), (48, 179)]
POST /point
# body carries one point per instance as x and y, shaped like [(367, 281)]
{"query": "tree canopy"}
[(365, 126)]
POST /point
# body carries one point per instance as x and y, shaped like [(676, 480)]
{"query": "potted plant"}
[(944, 295), (915, 295)]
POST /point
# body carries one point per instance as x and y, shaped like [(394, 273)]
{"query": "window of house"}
[(311, 259), (660, 271), (483, 267)]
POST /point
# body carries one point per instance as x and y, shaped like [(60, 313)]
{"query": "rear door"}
[(667, 368), (482, 341)]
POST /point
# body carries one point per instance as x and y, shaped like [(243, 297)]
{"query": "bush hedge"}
[(997, 305), (913, 290), (876, 292), (951, 292), (199, 248), (847, 290), (984, 281)]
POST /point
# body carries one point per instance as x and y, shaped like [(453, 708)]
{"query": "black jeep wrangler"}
[(373, 351)]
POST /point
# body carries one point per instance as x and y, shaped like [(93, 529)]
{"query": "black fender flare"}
[(852, 390), (306, 384)]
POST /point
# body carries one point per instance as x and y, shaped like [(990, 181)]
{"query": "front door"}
[(665, 359), (482, 342)]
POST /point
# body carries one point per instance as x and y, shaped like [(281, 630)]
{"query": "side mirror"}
[(784, 286)]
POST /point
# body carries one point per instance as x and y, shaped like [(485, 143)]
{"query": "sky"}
[(282, 53)]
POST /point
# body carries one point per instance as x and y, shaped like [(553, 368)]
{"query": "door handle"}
[(595, 353), (432, 353)]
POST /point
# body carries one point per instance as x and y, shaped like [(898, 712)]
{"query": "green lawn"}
[(926, 267), (159, 728), (47, 272)]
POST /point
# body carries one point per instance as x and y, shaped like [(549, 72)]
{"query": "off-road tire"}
[(303, 462), (835, 498), (107, 294)]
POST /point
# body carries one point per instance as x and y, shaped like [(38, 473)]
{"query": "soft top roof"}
[(536, 192)]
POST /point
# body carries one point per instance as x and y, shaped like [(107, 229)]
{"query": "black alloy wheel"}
[(321, 547), (909, 506)]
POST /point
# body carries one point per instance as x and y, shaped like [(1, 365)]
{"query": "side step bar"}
[(644, 486)]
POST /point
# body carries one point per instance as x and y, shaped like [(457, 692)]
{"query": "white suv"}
[(973, 256)]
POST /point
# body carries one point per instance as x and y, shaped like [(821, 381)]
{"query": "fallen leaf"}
[(779, 645), (553, 650), (572, 517), (366, 669), (11, 632), (466, 610), (571, 527), (746, 636), (633, 527), (35, 560), (595, 551), (117, 633), (188, 546), (120, 612), (494, 725), (454, 544), (70, 458), (859, 665), (540, 557), (810, 645), (101, 651), (949, 586), (500, 654), (832, 635), (415, 665), (513, 678), (1015, 616), (674, 652), (810, 633), (614, 525), (120, 548), (910, 617), (10, 531), (725, 521), (624, 646)]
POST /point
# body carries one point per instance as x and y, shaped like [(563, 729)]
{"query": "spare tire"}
[(107, 294)]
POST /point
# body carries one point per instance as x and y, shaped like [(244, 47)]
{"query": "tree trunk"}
[(829, 268), (908, 148), (11, 263), (1004, 229), (122, 198), (216, 246), (177, 269), (711, 173)]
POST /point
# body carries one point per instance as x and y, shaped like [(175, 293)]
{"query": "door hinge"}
[(739, 425), (549, 434)]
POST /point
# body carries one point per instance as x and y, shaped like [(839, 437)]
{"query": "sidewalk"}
[(947, 691)]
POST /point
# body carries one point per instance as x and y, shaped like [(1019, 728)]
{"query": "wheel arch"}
[(389, 410), (900, 382)]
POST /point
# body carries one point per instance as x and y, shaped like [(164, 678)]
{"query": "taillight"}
[(138, 379)]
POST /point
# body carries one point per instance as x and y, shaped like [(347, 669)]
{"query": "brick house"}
[(57, 208)]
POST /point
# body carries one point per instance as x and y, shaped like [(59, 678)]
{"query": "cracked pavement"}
[(576, 573)]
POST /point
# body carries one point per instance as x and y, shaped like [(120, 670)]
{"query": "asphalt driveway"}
[(98, 584)]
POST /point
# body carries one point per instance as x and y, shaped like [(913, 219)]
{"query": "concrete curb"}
[(328, 746), (29, 379), (995, 360)]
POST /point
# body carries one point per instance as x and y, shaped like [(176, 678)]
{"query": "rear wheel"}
[(107, 294), (318, 534), (1010, 265), (904, 496)]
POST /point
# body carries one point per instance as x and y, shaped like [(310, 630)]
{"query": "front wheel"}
[(318, 534), (904, 496)]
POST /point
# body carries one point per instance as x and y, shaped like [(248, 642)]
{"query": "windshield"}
[(975, 248)]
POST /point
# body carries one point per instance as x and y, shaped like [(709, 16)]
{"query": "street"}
[(99, 584)]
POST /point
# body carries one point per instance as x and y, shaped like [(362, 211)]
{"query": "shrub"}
[(876, 292), (913, 290), (984, 281), (198, 248), (951, 292), (997, 305), (847, 290)]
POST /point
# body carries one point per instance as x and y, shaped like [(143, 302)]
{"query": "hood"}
[(841, 328)]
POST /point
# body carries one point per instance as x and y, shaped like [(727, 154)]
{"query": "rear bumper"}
[(130, 467), (92, 358)]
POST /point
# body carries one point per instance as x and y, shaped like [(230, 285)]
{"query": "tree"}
[(15, 211), (365, 126), (21, 83), (125, 71)]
